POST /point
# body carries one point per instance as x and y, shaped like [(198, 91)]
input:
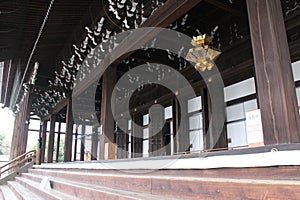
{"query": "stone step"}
[(7, 193), (23, 193), (273, 172), (48, 194), (91, 191), (187, 187)]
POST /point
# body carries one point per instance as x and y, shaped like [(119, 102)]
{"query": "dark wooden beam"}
[(226, 8), (60, 105), (276, 88), (292, 20), (46, 118)]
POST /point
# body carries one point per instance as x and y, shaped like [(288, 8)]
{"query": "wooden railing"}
[(13, 167)]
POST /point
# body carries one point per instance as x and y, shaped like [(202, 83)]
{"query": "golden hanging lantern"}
[(203, 54)]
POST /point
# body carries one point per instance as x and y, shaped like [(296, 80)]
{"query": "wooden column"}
[(24, 137), (39, 145), (82, 147), (15, 137), (176, 123), (58, 142), (44, 139), (75, 143), (276, 88), (107, 120), (69, 132), (20, 134), (215, 137), (137, 136), (182, 138), (156, 142), (51, 138), (122, 139), (95, 141)]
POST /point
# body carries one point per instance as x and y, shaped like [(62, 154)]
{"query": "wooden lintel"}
[(60, 105), (164, 16), (46, 118)]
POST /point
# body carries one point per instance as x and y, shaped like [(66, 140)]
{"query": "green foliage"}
[(3, 146), (61, 149)]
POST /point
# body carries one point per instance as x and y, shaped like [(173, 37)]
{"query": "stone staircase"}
[(86, 183)]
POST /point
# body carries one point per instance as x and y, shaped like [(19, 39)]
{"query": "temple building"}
[(151, 99)]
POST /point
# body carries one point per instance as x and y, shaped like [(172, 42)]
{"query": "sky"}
[(6, 121), (6, 124)]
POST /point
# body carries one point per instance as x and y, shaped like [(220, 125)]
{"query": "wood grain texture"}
[(276, 88)]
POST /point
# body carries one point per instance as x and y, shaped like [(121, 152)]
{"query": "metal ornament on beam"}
[(203, 54)]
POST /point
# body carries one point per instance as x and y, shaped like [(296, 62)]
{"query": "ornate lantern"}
[(203, 54)]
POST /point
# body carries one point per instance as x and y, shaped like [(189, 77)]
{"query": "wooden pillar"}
[(157, 116), (15, 137), (75, 143), (276, 88), (122, 139), (95, 141), (58, 142), (182, 136), (137, 136), (20, 134), (23, 141), (39, 145), (82, 147), (215, 137), (24, 137), (69, 132), (44, 139), (51, 138), (176, 122), (107, 120)]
